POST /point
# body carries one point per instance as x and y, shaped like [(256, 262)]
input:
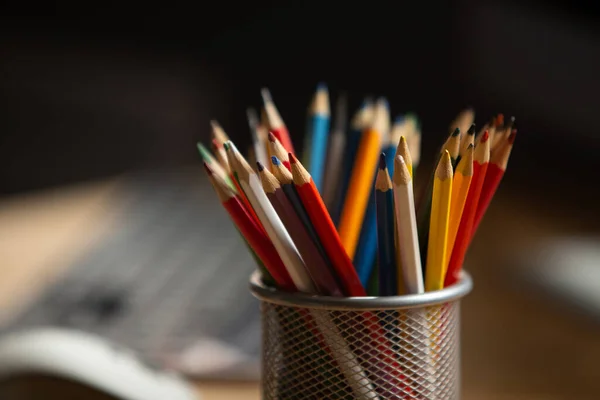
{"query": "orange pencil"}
[(325, 228), (493, 176), (463, 237), (362, 176), (275, 122)]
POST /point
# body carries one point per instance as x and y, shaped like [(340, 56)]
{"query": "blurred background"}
[(88, 99)]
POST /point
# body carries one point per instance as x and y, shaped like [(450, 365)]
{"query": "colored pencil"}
[(493, 176), (424, 203), (335, 152), (323, 224), (460, 189), (275, 123), (252, 187), (316, 265), (438, 232), (252, 233), (366, 251), (219, 152), (481, 157), (360, 121), (230, 149), (452, 145), (276, 149), (502, 135), (463, 121), (466, 141), (215, 165), (287, 185), (413, 139), (218, 132), (362, 176), (258, 142), (317, 135), (409, 263), (384, 196)]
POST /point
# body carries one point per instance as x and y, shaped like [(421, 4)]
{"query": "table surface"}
[(516, 343)]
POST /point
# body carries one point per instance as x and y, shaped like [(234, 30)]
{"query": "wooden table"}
[(515, 344)]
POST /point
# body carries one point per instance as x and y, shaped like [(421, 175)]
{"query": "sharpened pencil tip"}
[(512, 136), (485, 137), (271, 137), (227, 146), (382, 164), (260, 166), (456, 132), (382, 101), (499, 120), (471, 130), (275, 160), (292, 157), (321, 86), (266, 95), (470, 146), (207, 168)]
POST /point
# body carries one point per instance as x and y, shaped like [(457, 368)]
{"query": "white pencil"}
[(252, 187), (408, 240)]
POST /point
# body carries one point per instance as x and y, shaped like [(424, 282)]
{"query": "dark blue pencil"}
[(386, 253)]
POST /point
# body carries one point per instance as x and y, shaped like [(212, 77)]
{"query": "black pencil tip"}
[(260, 166), (471, 130), (382, 164), (456, 132)]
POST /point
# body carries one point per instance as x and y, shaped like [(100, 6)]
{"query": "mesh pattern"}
[(393, 354)]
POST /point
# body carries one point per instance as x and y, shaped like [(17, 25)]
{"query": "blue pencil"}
[(366, 252), (386, 249), (317, 135), (360, 121)]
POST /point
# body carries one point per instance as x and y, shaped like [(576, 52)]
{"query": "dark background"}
[(92, 96)]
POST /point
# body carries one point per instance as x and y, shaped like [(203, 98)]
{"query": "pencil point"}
[(292, 157), (485, 137), (207, 168), (260, 166), (226, 146), (383, 102), (275, 160), (271, 137), (321, 86), (266, 95), (500, 120), (512, 136), (456, 132), (470, 146), (471, 130), (382, 164)]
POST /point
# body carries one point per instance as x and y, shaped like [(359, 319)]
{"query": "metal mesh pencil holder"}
[(376, 348)]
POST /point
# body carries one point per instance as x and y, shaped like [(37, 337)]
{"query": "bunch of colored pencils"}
[(344, 221)]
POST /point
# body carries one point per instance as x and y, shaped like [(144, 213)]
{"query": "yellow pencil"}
[(438, 224), (460, 188), (361, 180)]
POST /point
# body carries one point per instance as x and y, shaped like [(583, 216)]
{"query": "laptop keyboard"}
[(175, 272)]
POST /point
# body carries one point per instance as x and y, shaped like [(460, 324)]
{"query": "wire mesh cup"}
[(376, 348)]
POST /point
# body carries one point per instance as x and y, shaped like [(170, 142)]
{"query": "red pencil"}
[(463, 237), (493, 176), (325, 229), (276, 149), (276, 124), (254, 235), (233, 175)]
